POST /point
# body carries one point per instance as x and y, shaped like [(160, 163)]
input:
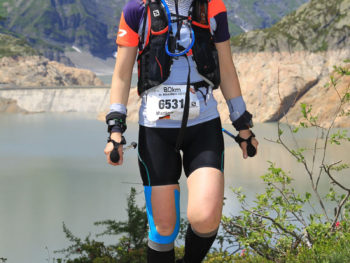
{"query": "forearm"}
[(120, 89), (230, 88), (122, 74), (229, 85)]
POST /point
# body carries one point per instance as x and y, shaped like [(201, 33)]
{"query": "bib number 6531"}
[(171, 104)]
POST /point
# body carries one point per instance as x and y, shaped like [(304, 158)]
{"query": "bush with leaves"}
[(129, 248), (277, 226)]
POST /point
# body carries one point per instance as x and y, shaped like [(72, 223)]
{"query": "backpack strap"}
[(145, 15), (199, 13)]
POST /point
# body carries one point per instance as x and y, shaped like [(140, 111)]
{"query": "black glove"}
[(114, 156), (251, 150)]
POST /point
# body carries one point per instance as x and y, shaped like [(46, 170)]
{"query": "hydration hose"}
[(184, 52)]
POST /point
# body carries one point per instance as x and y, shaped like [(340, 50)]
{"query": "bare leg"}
[(205, 201)]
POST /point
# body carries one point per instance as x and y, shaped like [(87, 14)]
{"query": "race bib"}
[(168, 101)]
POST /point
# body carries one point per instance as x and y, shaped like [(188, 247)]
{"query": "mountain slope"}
[(91, 24), (12, 46), (319, 25), (54, 26), (257, 14)]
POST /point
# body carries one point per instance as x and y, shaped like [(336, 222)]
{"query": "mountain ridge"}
[(318, 25), (54, 26)]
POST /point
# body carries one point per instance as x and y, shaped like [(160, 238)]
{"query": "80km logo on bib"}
[(171, 104)]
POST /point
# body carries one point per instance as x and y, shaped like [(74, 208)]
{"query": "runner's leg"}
[(203, 164), (160, 167), (205, 201)]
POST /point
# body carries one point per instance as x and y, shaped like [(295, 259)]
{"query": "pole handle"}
[(114, 156), (251, 150)]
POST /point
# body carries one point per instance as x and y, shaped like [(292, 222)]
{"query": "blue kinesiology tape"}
[(153, 234), (237, 107)]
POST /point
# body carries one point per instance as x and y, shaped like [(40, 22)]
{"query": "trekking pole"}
[(251, 150), (132, 145), (115, 154)]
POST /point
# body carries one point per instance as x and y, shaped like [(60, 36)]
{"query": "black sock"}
[(154, 256), (196, 247)]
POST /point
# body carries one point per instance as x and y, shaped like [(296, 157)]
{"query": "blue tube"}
[(170, 30), (168, 14), (228, 133), (183, 52)]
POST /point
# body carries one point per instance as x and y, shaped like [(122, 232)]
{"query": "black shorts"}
[(160, 164)]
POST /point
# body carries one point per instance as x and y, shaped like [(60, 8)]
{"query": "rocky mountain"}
[(54, 26), (325, 102), (318, 25)]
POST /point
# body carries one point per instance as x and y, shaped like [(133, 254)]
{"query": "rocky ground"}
[(325, 100), (275, 84), (9, 106), (37, 71)]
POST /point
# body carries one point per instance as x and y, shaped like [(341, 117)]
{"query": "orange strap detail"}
[(160, 32), (200, 25)]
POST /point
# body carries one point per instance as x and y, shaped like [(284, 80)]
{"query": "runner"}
[(184, 53)]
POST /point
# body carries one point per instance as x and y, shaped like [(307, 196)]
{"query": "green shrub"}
[(275, 225), (130, 247)]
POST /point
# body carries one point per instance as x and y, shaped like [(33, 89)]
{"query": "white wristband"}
[(118, 107), (236, 107)]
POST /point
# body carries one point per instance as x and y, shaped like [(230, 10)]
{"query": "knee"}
[(165, 226), (204, 221), (163, 231)]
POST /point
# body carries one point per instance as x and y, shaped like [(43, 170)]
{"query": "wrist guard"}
[(116, 144), (116, 122), (244, 122)]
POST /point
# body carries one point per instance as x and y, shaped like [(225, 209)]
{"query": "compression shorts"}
[(160, 164)]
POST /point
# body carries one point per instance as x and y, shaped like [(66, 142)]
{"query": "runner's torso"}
[(169, 96)]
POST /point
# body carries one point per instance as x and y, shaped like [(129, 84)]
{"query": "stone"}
[(36, 71)]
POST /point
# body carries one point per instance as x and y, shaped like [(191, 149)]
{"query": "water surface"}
[(53, 170)]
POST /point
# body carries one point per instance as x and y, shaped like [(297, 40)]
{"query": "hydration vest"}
[(154, 63)]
